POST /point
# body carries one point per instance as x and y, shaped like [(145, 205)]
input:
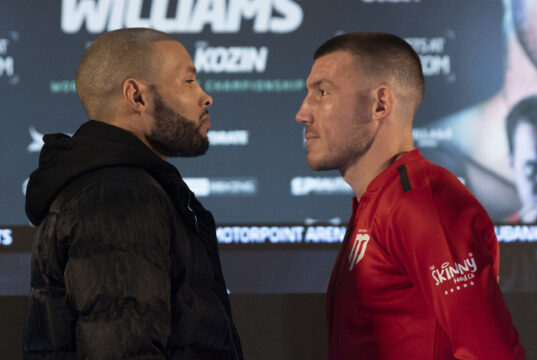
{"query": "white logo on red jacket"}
[(358, 249), (456, 272)]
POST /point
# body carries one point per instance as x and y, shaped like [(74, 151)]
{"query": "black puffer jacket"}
[(125, 261)]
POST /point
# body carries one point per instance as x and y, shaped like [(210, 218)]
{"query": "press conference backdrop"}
[(280, 224)]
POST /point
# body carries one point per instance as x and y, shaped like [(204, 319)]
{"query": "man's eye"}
[(191, 81), (322, 92)]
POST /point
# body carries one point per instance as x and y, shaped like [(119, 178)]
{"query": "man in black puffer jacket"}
[(125, 261)]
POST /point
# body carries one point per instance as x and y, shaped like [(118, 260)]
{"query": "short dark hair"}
[(382, 53), (110, 59), (525, 111)]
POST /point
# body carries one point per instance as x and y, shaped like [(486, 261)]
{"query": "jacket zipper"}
[(192, 211), (228, 321)]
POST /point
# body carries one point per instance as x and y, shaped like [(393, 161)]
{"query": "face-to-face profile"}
[(336, 112), (524, 160), (181, 119)]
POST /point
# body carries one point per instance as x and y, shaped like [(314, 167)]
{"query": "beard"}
[(342, 158), (173, 135), (339, 154)]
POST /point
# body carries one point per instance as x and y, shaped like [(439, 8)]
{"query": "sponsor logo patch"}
[(358, 249), (456, 275)]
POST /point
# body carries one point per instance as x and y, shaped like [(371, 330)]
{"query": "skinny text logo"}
[(456, 272)]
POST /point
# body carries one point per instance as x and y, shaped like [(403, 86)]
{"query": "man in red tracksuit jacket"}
[(416, 276)]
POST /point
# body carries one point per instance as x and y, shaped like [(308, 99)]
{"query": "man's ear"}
[(135, 95), (383, 102)]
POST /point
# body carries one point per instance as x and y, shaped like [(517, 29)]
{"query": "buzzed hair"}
[(110, 60), (381, 54), (525, 111)]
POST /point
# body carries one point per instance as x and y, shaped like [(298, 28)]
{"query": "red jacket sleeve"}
[(448, 247)]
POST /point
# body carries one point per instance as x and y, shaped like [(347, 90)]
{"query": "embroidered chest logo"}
[(358, 249), (459, 276)]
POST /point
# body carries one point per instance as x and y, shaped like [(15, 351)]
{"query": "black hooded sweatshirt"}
[(125, 261)]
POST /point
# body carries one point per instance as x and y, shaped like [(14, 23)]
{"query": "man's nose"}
[(303, 115), (207, 100)]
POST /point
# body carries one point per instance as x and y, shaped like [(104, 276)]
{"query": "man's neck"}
[(363, 171), (134, 128)]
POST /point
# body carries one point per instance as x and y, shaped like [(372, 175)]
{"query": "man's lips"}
[(310, 136), (205, 119)]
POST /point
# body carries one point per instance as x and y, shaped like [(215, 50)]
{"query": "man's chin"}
[(187, 155), (181, 151), (202, 150), (318, 165)]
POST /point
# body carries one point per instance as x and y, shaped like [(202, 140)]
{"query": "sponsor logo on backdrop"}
[(254, 85), (458, 273), (303, 186), (202, 186), (430, 137), (280, 234), (236, 60), (332, 221), (62, 86), (194, 16), (233, 59), (7, 60), (228, 137), (6, 237), (436, 62), (511, 233), (182, 16), (214, 85), (432, 51)]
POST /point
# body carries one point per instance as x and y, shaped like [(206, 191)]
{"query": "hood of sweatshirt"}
[(95, 145)]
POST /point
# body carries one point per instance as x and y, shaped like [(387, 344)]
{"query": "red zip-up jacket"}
[(416, 276)]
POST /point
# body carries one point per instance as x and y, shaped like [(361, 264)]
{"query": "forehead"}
[(172, 56), (334, 67)]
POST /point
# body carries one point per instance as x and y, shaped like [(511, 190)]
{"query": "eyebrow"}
[(318, 83), (191, 69)]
